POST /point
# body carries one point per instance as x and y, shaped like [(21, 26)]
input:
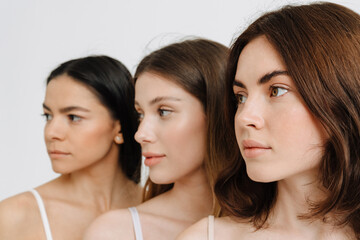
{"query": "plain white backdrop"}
[(37, 35)]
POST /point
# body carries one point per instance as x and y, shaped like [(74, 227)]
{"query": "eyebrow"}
[(264, 79), (161, 99), (68, 109)]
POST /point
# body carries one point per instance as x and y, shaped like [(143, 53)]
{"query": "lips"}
[(253, 149), (56, 154), (152, 159)]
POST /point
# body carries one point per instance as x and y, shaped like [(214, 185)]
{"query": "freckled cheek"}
[(297, 128)]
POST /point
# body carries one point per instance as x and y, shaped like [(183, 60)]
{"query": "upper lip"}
[(253, 144), (150, 154), (57, 152)]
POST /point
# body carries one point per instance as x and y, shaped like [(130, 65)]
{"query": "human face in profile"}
[(172, 129), (278, 136), (79, 130)]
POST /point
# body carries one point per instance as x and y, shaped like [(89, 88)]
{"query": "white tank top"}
[(44, 218), (136, 223), (211, 227)]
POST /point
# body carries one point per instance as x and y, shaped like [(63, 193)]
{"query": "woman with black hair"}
[(89, 135)]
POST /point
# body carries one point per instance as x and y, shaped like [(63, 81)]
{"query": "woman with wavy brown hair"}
[(179, 98), (295, 77)]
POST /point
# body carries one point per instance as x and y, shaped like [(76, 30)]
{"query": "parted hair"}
[(320, 46), (112, 83), (199, 67)]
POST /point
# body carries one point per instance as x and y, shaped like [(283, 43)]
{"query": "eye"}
[(74, 118), (140, 116), (164, 112), (46, 116), (277, 91), (240, 98)]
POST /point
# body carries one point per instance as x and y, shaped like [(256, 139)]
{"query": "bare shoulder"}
[(224, 228), (115, 224), (18, 212), (231, 228), (196, 231)]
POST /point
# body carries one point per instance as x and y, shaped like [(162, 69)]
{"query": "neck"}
[(102, 186), (192, 194), (294, 199)]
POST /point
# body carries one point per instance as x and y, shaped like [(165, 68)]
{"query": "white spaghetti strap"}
[(136, 223), (211, 227), (42, 213)]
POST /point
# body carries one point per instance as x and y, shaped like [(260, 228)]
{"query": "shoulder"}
[(224, 228), (18, 212), (231, 228), (114, 224), (195, 231)]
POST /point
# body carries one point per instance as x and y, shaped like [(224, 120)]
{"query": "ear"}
[(118, 139)]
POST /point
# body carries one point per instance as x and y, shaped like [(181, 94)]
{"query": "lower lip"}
[(152, 161), (58, 155), (254, 152)]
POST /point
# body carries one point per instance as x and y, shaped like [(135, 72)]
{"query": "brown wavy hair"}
[(199, 67), (320, 45)]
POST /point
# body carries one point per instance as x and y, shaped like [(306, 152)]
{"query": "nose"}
[(250, 114), (145, 132), (54, 130)]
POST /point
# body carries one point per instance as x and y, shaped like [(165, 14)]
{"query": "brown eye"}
[(164, 112), (274, 92), (240, 98), (278, 91)]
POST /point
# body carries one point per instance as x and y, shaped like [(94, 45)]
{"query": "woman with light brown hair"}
[(293, 92), (179, 98)]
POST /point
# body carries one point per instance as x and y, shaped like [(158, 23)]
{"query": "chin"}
[(60, 170), (160, 179), (262, 177)]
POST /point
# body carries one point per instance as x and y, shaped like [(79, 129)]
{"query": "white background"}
[(37, 35)]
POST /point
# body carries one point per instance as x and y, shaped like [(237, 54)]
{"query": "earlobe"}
[(119, 138)]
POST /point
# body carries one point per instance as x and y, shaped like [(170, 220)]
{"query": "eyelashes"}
[(71, 117), (46, 116), (276, 91), (161, 112), (240, 97)]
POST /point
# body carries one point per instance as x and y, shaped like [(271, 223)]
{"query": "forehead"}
[(65, 90), (259, 57), (149, 85)]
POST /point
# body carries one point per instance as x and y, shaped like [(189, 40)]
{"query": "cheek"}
[(299, 132), (93, 139), (188, 139), (237, 128)]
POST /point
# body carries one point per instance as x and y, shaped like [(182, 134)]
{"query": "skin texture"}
[(78, 126), (80, 138), (172, 126), (287, 148), (273, 115), (172, 133)]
